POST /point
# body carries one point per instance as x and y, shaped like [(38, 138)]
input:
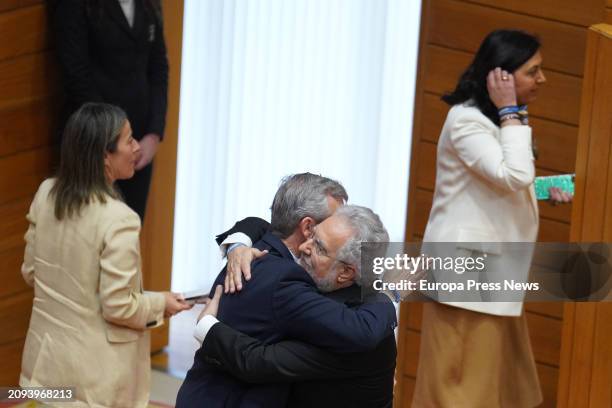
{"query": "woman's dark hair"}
[(507, 49), (91, 131)]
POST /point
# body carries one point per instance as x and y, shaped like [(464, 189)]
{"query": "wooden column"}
[(158, 227), (585, 378)]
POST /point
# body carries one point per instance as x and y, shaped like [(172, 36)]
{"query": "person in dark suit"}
[(281, 299), (317, 377), (113, 51)]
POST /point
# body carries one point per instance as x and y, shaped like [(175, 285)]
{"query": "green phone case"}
[(563, 181)]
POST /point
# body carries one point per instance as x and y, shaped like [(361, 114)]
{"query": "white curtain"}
[(274, 87)]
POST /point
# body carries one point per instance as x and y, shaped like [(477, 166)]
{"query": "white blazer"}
[(484, 193)]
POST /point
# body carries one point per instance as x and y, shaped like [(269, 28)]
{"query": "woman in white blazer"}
[(90, 316), (478, 354)]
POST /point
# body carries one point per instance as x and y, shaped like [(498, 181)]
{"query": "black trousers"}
[(136, 190)]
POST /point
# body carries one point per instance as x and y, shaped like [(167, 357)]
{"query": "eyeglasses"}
[(320, 249)]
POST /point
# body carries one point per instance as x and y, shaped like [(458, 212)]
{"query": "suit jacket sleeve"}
[(72, 50), (123, 302), (158, 80), (507, 163), (254, 227), (252, 361), (302, 313)]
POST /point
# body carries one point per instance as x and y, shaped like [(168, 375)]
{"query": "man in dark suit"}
[(281, 300), (113, 51), (317, 377)]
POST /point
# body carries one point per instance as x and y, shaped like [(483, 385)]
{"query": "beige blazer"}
[(89, 316), (484, 193)]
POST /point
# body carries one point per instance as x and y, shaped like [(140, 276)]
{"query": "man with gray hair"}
[(343, 234), (281, 300), (301, 198)]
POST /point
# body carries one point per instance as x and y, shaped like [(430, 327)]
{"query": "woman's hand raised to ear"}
[(500, 85)]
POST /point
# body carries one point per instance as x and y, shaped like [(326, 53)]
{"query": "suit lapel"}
[(116, 12)]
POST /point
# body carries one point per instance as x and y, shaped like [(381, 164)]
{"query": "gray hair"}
[(303, 195), (367, 227)]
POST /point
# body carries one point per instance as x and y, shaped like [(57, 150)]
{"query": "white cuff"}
[(203, 327), (236, 237)]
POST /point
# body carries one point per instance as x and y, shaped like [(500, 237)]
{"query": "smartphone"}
[(563, 181), (194, 296)]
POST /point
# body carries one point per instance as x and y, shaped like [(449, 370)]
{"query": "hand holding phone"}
[(543, 184), (195, 296)]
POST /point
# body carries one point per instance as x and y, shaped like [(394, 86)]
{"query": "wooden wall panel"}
[(563, 52), (451, 31), (409, 384), (434, 114), (13, 225), (27, 78), (582, 13), (426, 172), (555, 142), (10, 307), (550, 309), (28, 106), (7, 5), (10, 355), (23, 31), (423, 205), (586, 355), (22, 173), (26, 127), (549, 377), (545, 336), (10, 264), (553, 231)]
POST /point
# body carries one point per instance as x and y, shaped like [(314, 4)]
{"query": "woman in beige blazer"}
[(478, 354), (90, 315)]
